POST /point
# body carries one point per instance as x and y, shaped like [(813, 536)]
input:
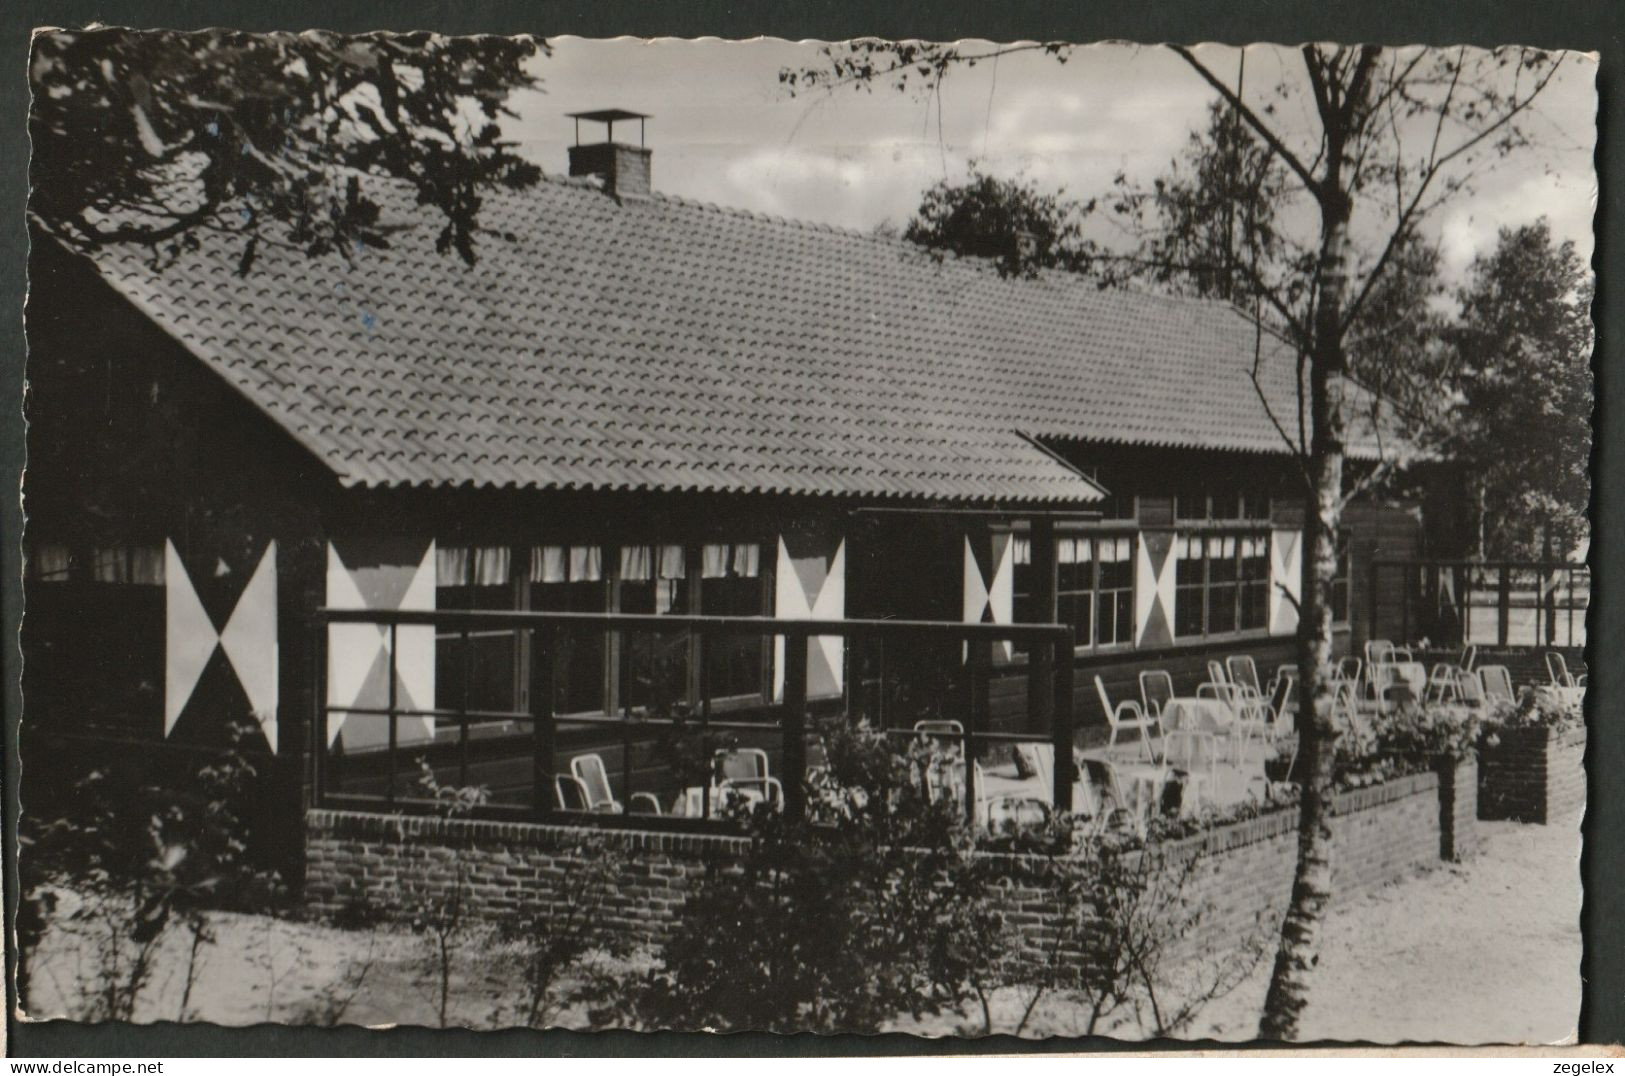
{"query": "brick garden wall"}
[(360, 861), (1532, 775)]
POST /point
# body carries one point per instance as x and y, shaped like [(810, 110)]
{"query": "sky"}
[(724, 130)]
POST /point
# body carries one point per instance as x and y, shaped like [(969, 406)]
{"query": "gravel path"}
[(1483, 951)]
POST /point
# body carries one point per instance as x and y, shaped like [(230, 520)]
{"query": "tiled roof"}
[(664, 344)]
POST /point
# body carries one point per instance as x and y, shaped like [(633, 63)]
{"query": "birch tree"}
[(1377, 142)]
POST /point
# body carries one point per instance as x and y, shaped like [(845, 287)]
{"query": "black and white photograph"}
[(1040, 539)]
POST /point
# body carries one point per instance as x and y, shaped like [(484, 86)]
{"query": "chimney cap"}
[(609, 117)]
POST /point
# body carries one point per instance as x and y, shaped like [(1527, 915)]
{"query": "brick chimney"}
[(623, 167)]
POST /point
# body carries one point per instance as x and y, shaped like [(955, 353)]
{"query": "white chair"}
[(594, 778), (944, 729), (1125, 716), (1244, 674), (1378, 651), (1244, 716), (570, 793), (1558, 670), (1470, 691), (743, 770), (1497, 681), (1215, 672), (1156, 688), (1107, 778)]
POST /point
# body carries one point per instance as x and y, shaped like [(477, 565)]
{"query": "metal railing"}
[(1486, 603), (531, 736)]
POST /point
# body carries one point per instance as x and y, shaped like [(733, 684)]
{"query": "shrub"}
[(123, 866), (1536, 707), (870, 908)]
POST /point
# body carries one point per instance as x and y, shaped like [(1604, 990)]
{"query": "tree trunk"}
[(1312, 882)]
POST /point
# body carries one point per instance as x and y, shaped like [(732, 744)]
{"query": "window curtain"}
[(714, 562), (671, 562), (637, 564), (549, 564), (51, 562), (1021, 550), (586, 563), (491, 564), (147, 565), (451, 565), (109, 566), (747, 560)]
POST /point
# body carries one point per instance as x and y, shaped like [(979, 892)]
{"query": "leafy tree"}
[(1009, 221), (1523, 428), (1212, 213), (151, 137), (1389, 136)]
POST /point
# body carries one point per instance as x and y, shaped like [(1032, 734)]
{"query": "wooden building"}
[(632, 403)]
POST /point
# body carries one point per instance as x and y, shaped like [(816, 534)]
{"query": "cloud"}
[(1470, 229)]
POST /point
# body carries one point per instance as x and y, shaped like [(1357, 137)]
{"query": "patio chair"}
[(1279, 711), (1497, 681), (1442, 682), (1349, 668), (1349, 718), (1196, 755), (590, 771), (1156, 688), (1244, 674), (1402, 653), (1470, 691), (1115, 804), (1288, 668), (1125, 716), (643, 803), (1040, 759), (1558, 670), (1215, 672), (744, 770), (1245, 713), (1378, 651), (1469, 657), (570, 793), (944, 729)]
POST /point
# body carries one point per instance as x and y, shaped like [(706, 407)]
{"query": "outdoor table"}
[(1192, 714), (1412, 675), (691, 804), (1213, 717)]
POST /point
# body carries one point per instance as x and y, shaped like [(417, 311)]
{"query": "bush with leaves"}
[(568, 952), (438, 913), (1535, 707), (1137, 945), (871, 908), (123, 867)]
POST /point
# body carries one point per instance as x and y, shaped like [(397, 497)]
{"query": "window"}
[(731, 585), (1340, 582), (475, 670), (1094, 589), (1115, 592), (1224, 503), (570, 579), (50, 563), (1221, 584), (136, 565), (654, 581)]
